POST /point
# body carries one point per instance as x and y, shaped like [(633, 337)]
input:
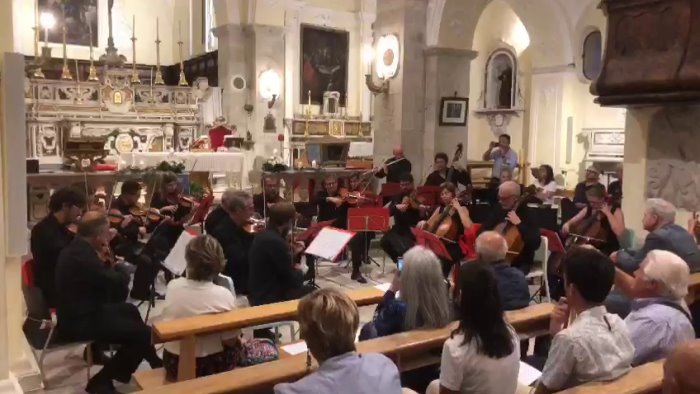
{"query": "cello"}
[(510, 231)]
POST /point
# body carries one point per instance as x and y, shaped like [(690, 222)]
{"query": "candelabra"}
[(183, 80), (159, 77), (65, 72), (134, 75), (92, 71)]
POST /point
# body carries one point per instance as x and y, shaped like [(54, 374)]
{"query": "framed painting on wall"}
[(324, 63), (453, 111), (80, 16)]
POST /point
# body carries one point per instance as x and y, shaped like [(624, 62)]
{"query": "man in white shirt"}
[(596, 345)]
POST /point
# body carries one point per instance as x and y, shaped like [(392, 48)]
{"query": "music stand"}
[(432, 242), (431, 194), (389, 190), (200, 214), (553, 241), (368, 220), (306, 237)]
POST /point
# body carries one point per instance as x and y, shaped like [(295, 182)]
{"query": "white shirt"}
[(595, 348), (465, 370), (550, 188), (185, 298)]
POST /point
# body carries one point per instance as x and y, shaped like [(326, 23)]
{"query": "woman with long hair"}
[(483, 354), (545, 184)]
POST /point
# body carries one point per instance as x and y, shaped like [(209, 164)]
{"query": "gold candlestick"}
[(65, 72), (37, 63), (183, 80), (78, 96), (151, 99), (308, 115), (159, 76), (134, 75), (92, 71)]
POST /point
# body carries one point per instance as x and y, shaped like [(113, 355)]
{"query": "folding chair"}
[(40, 324), (540, 270)]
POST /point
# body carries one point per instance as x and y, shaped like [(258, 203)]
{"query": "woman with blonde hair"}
[(328, 320), (197, 294)]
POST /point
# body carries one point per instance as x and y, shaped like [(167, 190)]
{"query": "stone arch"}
[(452, 23)]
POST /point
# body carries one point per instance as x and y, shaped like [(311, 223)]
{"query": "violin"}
[(413, 200), (254, 225)]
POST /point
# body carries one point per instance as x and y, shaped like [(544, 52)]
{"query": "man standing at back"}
[(394, 166)]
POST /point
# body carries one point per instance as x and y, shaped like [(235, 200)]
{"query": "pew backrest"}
[(644, 379)]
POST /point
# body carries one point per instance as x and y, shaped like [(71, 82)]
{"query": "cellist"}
[(457, 218), (610, 217), (508, 212)]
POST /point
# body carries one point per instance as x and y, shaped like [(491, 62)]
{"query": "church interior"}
[(354, 141)]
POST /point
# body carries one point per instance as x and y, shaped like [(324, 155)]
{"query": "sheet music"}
[(527, 374), (175, 262), (329, 243), (295, 348)]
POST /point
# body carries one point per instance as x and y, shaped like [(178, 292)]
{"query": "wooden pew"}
[(644, 379), (186, 330), (408, 350)]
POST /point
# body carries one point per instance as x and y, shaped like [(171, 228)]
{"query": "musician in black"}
[(459, 216), (359, 244), (235, 238), (400, 238), (269, 196), (394, 166), (508, 213), (330, 205), (439, 175), (91, 305), (610, 217), (51, 235), (127, 243), (167, 200), (218, 214)]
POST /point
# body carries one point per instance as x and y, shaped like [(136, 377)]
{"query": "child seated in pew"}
[(328, 320), (423, 303), (681, 369), (596, 346), (196, 294), (483, 354)]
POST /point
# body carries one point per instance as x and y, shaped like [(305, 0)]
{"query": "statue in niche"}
[(505, 90), (501, 84)]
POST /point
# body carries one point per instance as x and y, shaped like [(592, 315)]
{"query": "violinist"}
[(234, 235), (407, 212), (359, 244), (603, 223), (439, 175), (130, 228), (448, 221), (509, 212), (168, 200), (51, 235), (92, 304), (269, 196), (331, 204)]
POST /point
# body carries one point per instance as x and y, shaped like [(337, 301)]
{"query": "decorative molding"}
[(434, 19), (446, 51), (562, 68), (498, 119)]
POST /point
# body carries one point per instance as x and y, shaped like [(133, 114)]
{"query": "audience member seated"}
[(681, 369), (274, 277), (217, 214), (483, 354), (592, 178), (328, 320), (91, 291), (596, 345), (615, 187), (51, 235), (422, 303), (545, 184), (196, 294), (659, 319), (235, 239), (491, 248), (664, 234)]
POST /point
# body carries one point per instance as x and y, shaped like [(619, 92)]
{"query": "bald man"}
[(394, 166), (492, 248), (507, 213), (91, 304), (681, 369)]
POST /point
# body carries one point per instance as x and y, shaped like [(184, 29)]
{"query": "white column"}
[(15, 356)]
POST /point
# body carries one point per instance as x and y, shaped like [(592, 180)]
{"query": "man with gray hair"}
[(664, 234), (217, 214), (492, 248), (234, 238), (659, 319)]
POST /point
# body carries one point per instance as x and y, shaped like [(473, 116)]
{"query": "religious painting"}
[(501, 80), (453, 111), (80, 20), (324, 63)]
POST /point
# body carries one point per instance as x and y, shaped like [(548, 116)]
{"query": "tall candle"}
[(133, 25), (77, 74), (157, 30), (179, 30)]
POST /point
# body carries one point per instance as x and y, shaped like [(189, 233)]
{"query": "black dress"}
[(452, 247), (400, 238)]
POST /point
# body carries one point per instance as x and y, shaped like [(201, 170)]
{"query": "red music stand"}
[(312, 231), (432, 242), (553, 241), (431, 194), (366, 220), (203, 209), (390, 189)]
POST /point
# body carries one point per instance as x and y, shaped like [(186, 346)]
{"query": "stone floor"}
[(66, 371)]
